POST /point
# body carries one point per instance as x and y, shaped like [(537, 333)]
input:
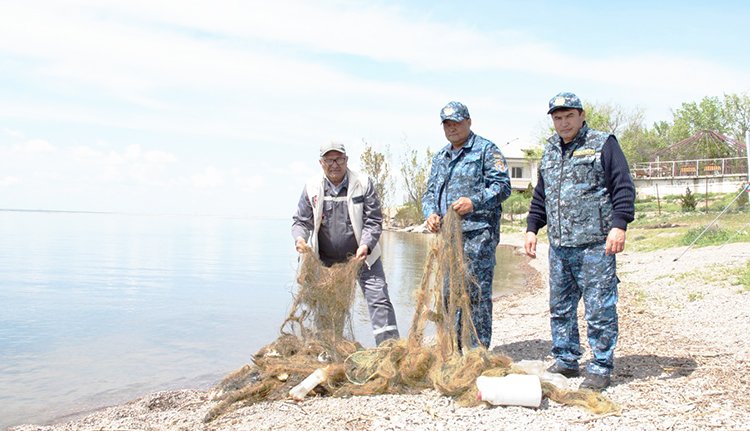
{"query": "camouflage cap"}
[(564, 101), (332, 146), (454, 111)]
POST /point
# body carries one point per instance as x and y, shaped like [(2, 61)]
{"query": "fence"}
[(734, 166)]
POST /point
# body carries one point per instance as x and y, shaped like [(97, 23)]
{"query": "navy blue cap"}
[(454, 111), (564, 101)]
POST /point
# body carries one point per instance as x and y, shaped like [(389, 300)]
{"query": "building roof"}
[(515, 148)]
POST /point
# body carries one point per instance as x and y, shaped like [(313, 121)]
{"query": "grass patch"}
[(743, 278), (677, 234), (710, 274), (734, 275), (714, 235), (640, 296)]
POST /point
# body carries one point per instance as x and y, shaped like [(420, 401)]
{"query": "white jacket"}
[(357, 186)]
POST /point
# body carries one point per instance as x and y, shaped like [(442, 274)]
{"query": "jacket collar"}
[(580, 137), (466, 146)]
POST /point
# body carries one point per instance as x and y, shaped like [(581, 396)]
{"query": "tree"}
[(737, 114), (639, 143), (415, 172), (709, 114), (534, 153), (611, 118), (529, 192), (378, 166), (636, 140), (729, 116), (688, 202), (517, 203)]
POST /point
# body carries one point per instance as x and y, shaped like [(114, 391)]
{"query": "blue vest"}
[(578, 205)]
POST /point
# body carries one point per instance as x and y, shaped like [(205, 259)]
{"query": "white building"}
[(522, 170)]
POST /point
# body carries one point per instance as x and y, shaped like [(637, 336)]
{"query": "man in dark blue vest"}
[(586, 198)]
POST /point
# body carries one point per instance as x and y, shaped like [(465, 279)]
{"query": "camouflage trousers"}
[(588, 273), (479, 251)]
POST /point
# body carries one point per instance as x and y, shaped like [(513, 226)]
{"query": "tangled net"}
[(317, 334)]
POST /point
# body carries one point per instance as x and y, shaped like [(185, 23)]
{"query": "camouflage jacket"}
[(577, 202), (479, 172)]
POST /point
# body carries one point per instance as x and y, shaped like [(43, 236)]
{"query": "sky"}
[(220, 107)]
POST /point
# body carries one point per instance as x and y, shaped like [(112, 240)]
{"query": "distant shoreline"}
[(137, 214)]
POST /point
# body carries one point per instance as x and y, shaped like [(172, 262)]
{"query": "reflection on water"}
[(404, 257)]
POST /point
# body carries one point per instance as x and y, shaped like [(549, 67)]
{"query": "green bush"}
[(688, 201), (517, 203), (529, 192), (409, 215)]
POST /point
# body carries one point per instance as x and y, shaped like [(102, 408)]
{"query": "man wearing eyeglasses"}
[(339, 211)]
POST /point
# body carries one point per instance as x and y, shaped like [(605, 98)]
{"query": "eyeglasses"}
[(339, 161)]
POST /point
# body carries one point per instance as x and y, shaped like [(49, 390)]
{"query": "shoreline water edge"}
[(682, 363)]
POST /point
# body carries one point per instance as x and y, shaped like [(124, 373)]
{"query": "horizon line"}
[(135, 214)]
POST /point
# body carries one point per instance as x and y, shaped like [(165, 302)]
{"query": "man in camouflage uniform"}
[(470, 175), (586, 198)]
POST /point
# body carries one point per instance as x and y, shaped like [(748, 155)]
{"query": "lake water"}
[(99, 309)]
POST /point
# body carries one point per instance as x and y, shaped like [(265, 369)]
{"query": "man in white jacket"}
[(339, 211)]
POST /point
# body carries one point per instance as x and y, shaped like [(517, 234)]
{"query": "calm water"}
[(98, 309)]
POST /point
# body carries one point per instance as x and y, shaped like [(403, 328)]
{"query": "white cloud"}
[(5, 182), (13, 133), (298, 169), (378, 32), (132, 152), (267, 57), (85, 153), (210, 178), (249, 184), (35, 146), (160, 157)]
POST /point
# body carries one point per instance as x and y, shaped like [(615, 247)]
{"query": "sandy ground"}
[(682, 363)]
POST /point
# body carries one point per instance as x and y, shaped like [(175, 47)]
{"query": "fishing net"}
[(317, 334)]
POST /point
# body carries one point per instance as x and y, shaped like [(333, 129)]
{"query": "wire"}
[(747, 187), (711, 224)]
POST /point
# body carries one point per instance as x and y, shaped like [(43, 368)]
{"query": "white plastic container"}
[(301, 390), (556, 379), (511, 390), (538, 368), (529, 367)]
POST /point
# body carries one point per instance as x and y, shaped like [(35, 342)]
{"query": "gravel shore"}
[(682, 363)]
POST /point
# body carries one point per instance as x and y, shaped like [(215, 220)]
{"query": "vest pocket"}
[(582, 168)]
